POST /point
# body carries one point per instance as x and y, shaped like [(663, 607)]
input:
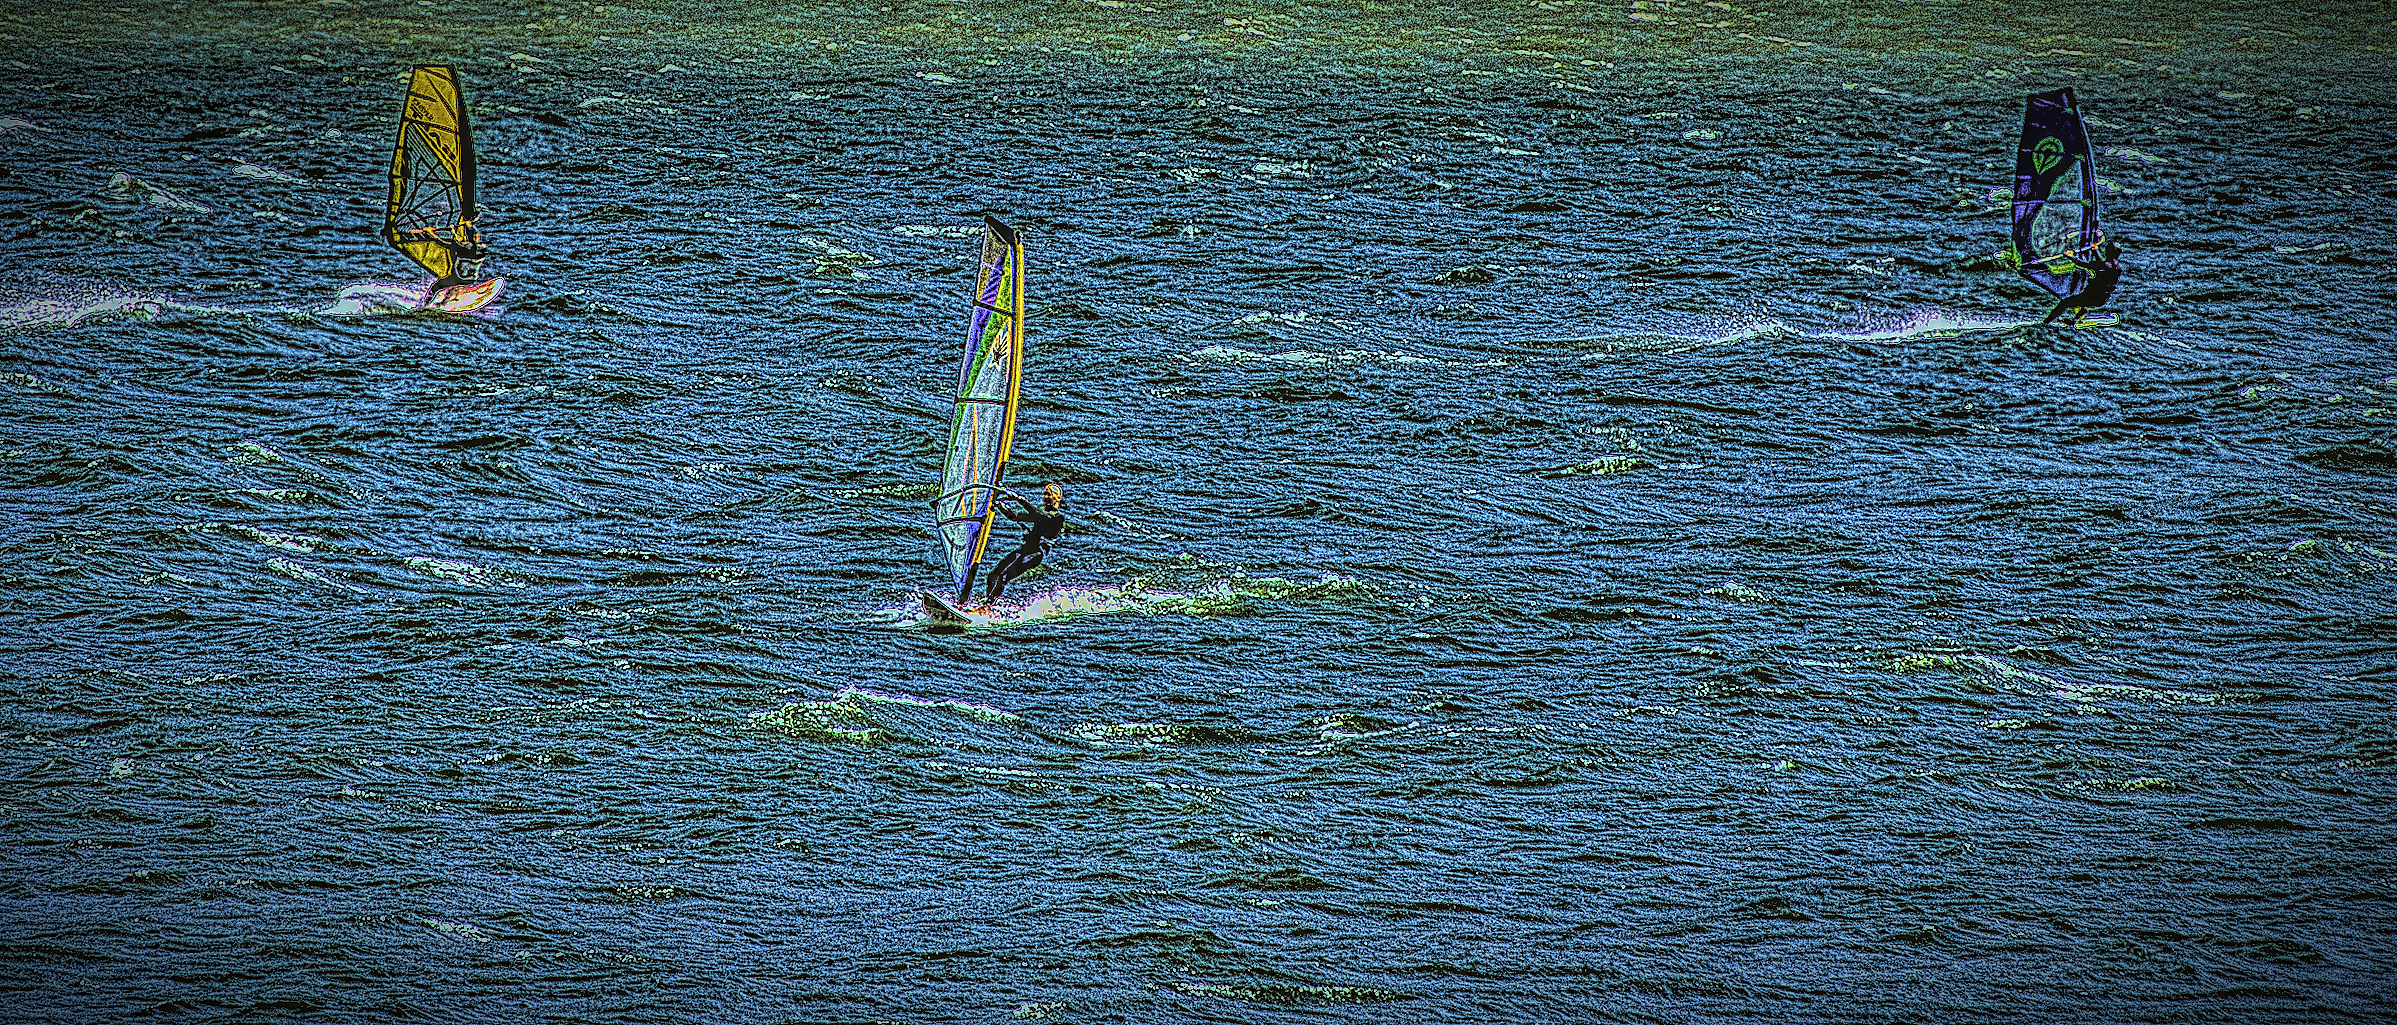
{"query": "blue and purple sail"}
[(2055, 195), (982, 427)]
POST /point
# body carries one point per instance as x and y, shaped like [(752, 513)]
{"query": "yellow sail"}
[(431, 215)]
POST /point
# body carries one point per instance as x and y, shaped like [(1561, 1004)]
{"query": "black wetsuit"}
[(1045, 527), (467, 251), (462, 257), (2102, 279)]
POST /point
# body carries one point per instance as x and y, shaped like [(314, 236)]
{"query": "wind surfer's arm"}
[(1006, 496)]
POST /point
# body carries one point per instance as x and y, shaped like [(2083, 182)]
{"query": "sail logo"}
[(2045, 154)]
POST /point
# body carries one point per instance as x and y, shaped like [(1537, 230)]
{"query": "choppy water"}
[(1569, 521)]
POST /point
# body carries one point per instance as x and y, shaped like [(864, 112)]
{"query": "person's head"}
[(1053, 497), (2107, 250)]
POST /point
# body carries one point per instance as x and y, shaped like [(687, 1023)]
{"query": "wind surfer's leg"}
[(998, 581), (2054, 313), (1016, 564), (1000, 574), (1026, 562)]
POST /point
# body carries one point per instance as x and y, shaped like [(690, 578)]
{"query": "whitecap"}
[(1236, 354), (250, 170), (938, 230), (457, 571), (156, 196)]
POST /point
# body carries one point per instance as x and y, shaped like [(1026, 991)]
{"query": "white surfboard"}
[(465, 298), (942, 610)]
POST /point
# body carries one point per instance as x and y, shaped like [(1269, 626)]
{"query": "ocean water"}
[(1571, 519)]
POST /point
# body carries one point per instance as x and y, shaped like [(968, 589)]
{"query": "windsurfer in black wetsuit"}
[(469, 252), (466, 255), (1045, 525), (2103, 276)]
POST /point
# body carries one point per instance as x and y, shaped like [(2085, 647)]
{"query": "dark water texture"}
[(1570, 520)]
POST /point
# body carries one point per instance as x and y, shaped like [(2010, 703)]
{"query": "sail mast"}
[(2055, 194), (430, 217), (989, 390)]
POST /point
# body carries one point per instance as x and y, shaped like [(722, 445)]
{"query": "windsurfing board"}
[(465, 298), (942, 610)]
